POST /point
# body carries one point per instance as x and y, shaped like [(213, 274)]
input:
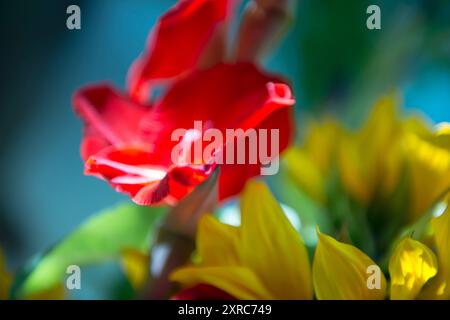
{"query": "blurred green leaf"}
[(101, 238)]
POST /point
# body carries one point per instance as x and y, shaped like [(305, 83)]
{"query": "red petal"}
[(131, 170), (203, 292), (233, 177), (143, 176), (110, 118), (224, 97), (178, 42)]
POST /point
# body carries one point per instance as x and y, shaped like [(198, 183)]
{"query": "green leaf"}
[(101, 238)]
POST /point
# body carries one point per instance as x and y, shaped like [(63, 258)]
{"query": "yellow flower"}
[(411, 265), (372, 161), (265, 258), (367, 160), (341, 272)]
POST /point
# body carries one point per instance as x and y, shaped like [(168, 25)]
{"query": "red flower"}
[(128, 142)]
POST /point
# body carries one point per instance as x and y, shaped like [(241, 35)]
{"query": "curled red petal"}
[(234, 176), (141, 174), (179, 41), (110, 118), (224, 96)]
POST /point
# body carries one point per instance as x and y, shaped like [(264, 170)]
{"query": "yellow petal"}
[(321, 142), (353, 170), (382, 121), (271, 247), (380, 146), (313, 161), (217, 242), (416, 124), (5, 278), (443, 135), (341, 271), (369, 160), (411, 265), (239, 282), (429, 163), (305, 173), (136, 266), (440, 285)]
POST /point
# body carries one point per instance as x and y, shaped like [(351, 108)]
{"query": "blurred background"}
[(334, 62)]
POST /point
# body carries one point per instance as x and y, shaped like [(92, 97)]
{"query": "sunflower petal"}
[(305, 173), (368, 160), (239, 282), (440, 286), (216, 243), (429, 161), (411, 265), (271, 246), (340, 271)]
